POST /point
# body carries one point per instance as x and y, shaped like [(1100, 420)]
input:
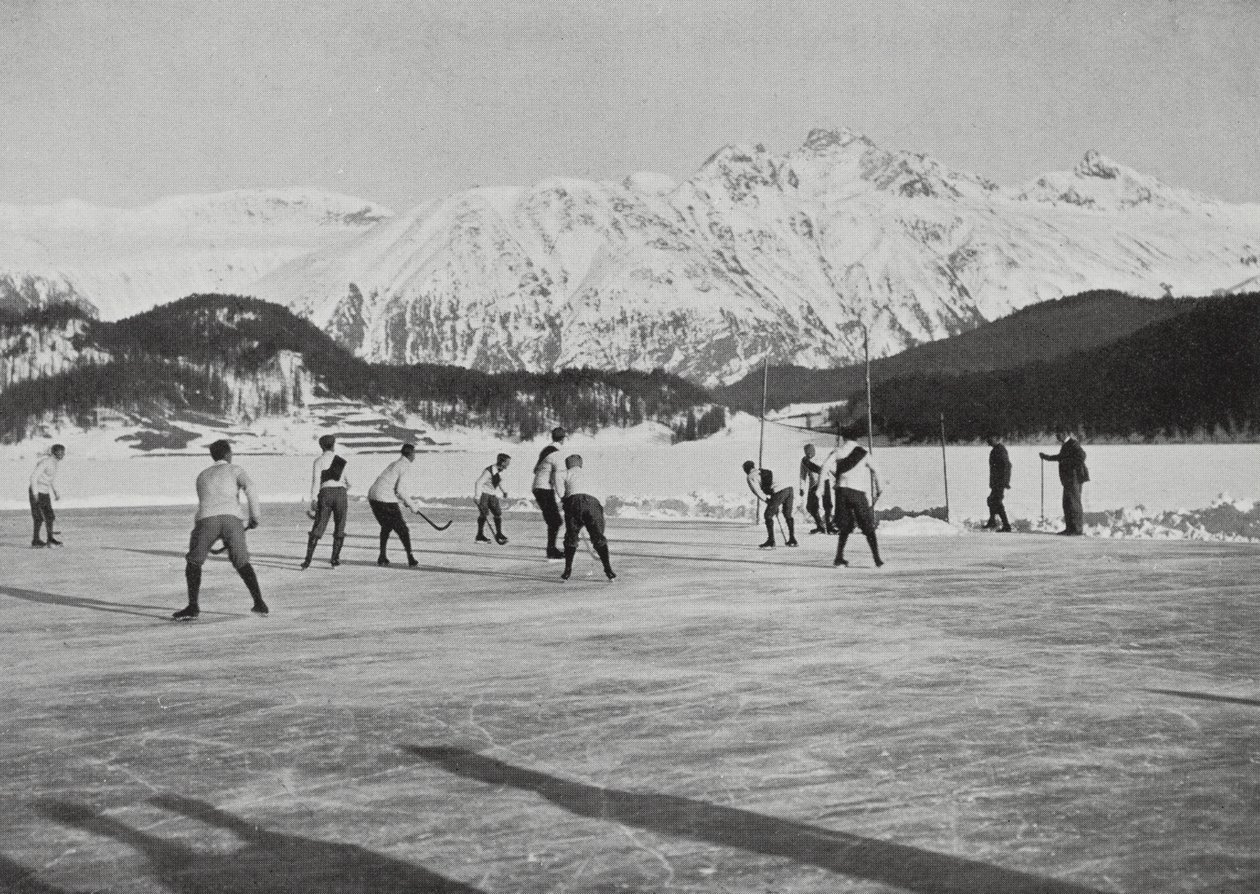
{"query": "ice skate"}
[(187, 613)]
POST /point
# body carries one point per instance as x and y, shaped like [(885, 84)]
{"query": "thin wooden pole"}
[(870, 425), (944, 467), (761, 439)]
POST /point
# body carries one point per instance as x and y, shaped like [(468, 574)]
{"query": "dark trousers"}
[(811, 506), (331, 503), (41, 512), (997, 506), (488, 506), (852, 511), (827, 507), (546, 498), (389, 516), (782, 501), (1073, 508)]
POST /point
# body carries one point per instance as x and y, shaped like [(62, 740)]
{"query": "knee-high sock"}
[(770, 529), (385, 532), (874, 545), (481, 526), (39, 523), (498, 525), (192, 577), (311, 541), (840, 546), (336, 553), (405, 536), (791, 523), (602, 551), (569, 553), (251, 581)]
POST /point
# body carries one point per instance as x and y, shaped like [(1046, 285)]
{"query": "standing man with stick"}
[(809, 480), (1072, 475), (218, 518), (547, 476), (384, 496), (999, 483), (328, 498), (851, 469), (42, 491), (487, 492)]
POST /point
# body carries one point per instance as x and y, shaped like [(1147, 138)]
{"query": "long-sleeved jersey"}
[(44, 477), (849, 466), (388, 486), (328, 471), (218, 490), (548, 470)]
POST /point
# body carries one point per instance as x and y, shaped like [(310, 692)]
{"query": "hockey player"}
[(582, 510), (218, 518), (851, 469), (329, 484), (761, 483), (384, 497), (1073, 474), (809, 488), (547, 492), (487, 492), (42, 491)]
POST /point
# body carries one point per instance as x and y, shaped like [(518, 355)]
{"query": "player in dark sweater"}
[(999, 483), (1072, 475)]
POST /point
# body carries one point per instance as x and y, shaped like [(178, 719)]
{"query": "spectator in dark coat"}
[(1072, 475), (999, 483)]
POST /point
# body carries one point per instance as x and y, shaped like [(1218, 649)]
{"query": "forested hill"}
[(1037, 334), (1193, 375), (238, 357)]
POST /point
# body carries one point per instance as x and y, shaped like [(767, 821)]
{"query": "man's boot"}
[(251, 583), (499, 538), (192, 577), (336, 553), (381, 558), (602, 552), (839, 560), (874, 545), (405, 536), (311, 541), (769, 544)]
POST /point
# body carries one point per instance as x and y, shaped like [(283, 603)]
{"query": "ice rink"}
[(987, 713)]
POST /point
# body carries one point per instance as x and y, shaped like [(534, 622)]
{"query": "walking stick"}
[(1043, 491)]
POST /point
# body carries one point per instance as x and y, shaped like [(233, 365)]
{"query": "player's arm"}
[(315, 482), (480, 486), (876, 486), (39, 467), (753, 487), (244, 483)]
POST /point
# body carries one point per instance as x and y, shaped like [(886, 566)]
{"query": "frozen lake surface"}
[(986, 713)]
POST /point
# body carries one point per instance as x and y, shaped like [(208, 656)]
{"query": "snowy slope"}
[(117, 262), (758, 254)]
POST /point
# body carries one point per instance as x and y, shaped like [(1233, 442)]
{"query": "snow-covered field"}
[(1182, 490), (983, 714)]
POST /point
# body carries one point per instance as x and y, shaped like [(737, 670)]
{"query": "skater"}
[(329, 485), (42, 491), (809, 488), (851, 469), (546, 487), (1072, 475), (218, 518), (582, 510), (761, 483), (999, 483), (487, 493), (384, 496)]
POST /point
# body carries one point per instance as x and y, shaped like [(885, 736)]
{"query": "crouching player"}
[(582, 510)]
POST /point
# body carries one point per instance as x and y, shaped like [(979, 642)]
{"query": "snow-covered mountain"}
[(759, 254), (115, 262)]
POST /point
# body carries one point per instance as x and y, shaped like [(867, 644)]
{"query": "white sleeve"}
[(315, 482), (480, 487)]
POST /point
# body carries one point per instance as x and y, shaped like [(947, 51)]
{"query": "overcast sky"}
[(121, 103)]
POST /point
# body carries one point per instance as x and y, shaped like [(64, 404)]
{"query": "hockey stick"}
[(434, 525)]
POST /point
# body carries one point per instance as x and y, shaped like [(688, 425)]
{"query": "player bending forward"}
[(218, 517), (761, 483), (851, 468), (582, 510), (384, 496), (487, 492)]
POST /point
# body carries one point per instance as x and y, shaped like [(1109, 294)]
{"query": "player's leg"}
[(46, 506), (323, 511), (865, 518), (593, 520), (233, 534), (380, 511), (37, 518), (340, 509), (203, 536), (572, 532), (789, 514), (483, 514), (496, 512), (844, 523)]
